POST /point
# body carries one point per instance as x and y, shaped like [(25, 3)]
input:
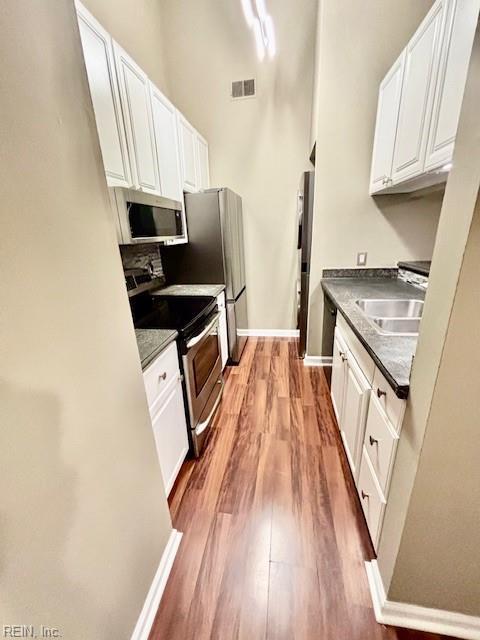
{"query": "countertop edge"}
[(401, 391), (190, 290), (152, 356), (415, 268)]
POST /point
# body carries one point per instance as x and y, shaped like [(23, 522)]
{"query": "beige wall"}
[(137, 27), (258, 147), (429, 552), (358, 42), (84, 517)]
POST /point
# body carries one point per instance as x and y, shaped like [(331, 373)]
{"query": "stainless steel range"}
[(195, 318)]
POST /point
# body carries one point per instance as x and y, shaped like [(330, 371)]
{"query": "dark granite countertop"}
[(417, 266), (392, 354), (151, 342), (190, 290)]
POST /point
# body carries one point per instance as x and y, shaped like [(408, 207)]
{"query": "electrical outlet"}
[(362, 259)]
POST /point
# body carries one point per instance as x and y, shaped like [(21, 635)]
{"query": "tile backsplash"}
[(139, 256)]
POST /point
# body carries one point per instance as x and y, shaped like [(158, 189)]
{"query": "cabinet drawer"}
[(359, 352), (373, 502), (158, 376), (380, 442), (393, 406)]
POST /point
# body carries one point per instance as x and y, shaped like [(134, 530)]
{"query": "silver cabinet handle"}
[(343, 356), (162, 376), (372, 441), (196, 339), (381, 393), (364, 495)]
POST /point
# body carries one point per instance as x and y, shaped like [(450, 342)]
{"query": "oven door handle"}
[(201, 426), (191, 343)]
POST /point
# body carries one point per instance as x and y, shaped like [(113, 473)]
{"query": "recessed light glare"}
[(248, 12), (257, 30), (270, 36), (447, 167), (261, 9), (261, 23)]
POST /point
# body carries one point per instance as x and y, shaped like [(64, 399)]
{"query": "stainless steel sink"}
[(391, 308), (398, 326), (393, 317)]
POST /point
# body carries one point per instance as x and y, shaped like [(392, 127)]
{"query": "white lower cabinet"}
[(338, 374), (223, 328), (163, 386), (369, 420), (372, 499), (355, 405), (170, 431), (380, 442)]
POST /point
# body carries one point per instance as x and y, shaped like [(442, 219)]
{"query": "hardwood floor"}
[(274, 540)]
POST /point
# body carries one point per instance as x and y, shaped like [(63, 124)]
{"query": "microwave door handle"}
[(191, 343)]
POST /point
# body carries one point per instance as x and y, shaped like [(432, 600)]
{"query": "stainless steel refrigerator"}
[(305, 217), (214, 255)]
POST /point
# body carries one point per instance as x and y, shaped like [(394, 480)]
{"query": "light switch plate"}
[(362, 259)]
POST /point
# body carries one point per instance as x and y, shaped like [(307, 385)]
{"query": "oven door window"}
[(152, 222), (204, 361)]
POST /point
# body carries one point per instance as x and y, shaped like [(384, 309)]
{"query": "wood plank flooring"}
[(274, 540)]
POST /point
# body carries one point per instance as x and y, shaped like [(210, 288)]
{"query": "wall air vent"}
[(243, 89)]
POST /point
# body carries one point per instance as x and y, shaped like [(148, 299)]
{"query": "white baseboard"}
[(152, 601), (411, 616), (269, 333), (317, 361)]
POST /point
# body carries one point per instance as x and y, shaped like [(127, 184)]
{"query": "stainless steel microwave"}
[(145, 218)]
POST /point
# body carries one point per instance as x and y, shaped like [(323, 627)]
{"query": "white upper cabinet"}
[(435, 64), (188, 153), (455, 57), (166, 138), (386, 126), (421, 63), (146, 143), (99, 62), (135, 95), (203, 169)]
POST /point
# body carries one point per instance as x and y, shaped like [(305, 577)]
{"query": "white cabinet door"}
[(166, 139), (170, 431), (386, 126), (338, 375), (102, 80), (371, 498), (135, 95), (421, 65), (454, 60), (203, 169), (223, 328), (188, 152), (357, 390)]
